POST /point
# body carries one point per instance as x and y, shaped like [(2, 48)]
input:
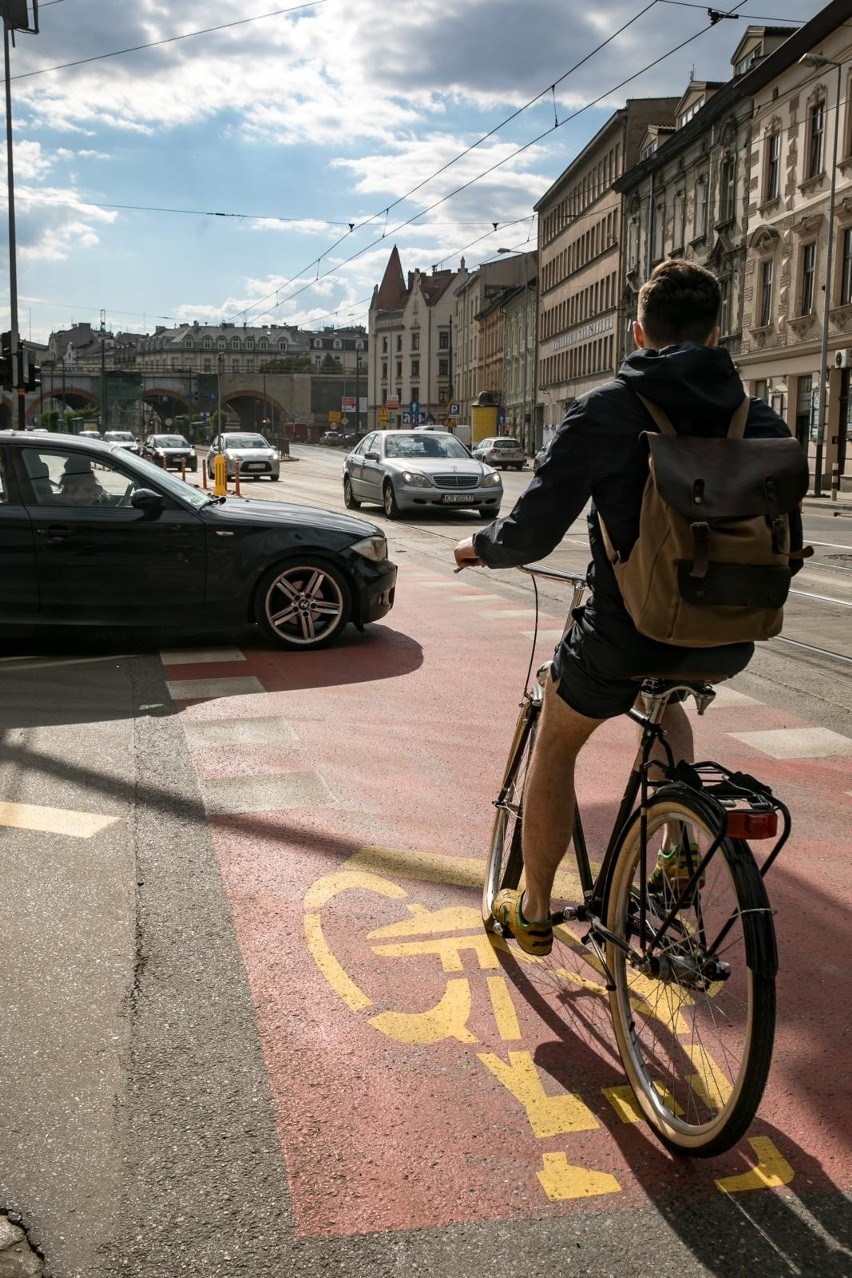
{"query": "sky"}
[(252, 163)]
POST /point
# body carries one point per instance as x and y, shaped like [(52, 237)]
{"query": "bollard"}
[(237, 478), (183, 469), (220, 476), (835, 480), (204, 474)]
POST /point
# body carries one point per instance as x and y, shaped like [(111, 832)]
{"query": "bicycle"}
[(689, 964)]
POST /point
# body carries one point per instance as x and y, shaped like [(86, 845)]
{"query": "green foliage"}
[(287, 364)]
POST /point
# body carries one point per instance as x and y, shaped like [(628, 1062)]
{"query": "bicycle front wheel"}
[(693, 1010), (505, 855)]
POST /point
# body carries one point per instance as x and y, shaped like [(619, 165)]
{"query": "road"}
[(249, 1024)]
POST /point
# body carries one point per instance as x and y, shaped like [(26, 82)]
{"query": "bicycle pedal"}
[(564, 915)]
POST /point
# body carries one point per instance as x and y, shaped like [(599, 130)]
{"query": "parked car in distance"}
[(90, 434), (172, 452), (406, 470), (331, 437), (115, 540), (124, 439), (501, 451), (256, 456)]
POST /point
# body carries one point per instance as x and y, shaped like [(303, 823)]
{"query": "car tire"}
[(274, 478), (488, 512), (520, 467), (304, 603), (350, 501), (389, 502)]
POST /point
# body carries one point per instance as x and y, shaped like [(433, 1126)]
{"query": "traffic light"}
[(6, 361), (30, 373)]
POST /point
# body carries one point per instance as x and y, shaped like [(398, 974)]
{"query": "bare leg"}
[(548, 817)]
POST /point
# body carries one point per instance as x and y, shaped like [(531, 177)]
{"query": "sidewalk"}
[(842, 505)]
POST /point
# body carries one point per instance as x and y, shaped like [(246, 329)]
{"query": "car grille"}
[(456, 481)]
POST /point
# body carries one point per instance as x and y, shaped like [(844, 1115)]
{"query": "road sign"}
[(414, 408), (334, 416), (392, 401), (455, 409), (344, 421), (406, 419), (421, 419)]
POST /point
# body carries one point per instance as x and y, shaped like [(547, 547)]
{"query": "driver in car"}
[(78, 485)]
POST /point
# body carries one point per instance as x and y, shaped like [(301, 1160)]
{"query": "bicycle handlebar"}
[(575, 579)]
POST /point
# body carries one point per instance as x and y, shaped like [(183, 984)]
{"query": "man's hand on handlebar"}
[(466, 556)]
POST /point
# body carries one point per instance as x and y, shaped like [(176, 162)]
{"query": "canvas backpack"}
[(711, 564)]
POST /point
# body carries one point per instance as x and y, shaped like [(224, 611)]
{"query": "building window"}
[(443, 368), (220, 342), (846, 268), (207, 342), (725, 306), (761, 390), (816, 131), (702, 192), (282, 346), (235, 365), (399, 341), (415, 368), (187, 341), (415, 341), (317, 343), (678, 221), (384, 346), (727, 189), (773, 166), (235, 343), (263, 344), (804, 397), (766, 272), (659, 230), (206, 364), (415, 394), (249, 365), (249, 343), (443, 341), (806, 293), (399, 369), (384, 370)]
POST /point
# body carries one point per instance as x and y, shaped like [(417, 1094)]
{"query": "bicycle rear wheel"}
[(505, 857), (695, 1021)]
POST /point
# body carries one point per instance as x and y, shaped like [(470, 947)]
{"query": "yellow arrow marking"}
[(423, 922), (771, 1172), (548, 1115), (710, 1084), (626, 1106), (447, 1020), (561, 1181), (79, 825)]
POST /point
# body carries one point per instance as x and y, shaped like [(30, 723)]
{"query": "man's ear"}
[(639, 335), (713, 339)]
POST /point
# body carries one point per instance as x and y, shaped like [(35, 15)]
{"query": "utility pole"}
[(104, 416), (15, 18)]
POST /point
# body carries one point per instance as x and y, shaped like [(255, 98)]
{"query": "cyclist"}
[(597, 453)]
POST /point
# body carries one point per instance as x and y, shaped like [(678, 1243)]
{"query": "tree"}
[(287, 364)]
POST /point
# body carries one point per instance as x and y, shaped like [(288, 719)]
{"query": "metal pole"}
[(13, 266), (823, 372), (104, 416), (219, 359)]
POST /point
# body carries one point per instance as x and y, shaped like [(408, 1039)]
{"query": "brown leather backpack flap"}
[(728, 478)]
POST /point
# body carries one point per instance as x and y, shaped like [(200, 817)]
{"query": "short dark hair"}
[(679, 303)]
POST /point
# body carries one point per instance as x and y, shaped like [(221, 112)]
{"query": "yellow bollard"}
[(220, 476)]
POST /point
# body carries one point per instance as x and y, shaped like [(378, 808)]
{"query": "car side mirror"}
[(146, 499), (371, 456)]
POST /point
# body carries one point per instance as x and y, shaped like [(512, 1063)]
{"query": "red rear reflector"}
[(752, 825)]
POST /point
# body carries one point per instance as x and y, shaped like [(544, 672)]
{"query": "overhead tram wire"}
[(551, 129)]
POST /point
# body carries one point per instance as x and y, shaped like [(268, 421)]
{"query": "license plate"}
[(254, 465), (459, 499)]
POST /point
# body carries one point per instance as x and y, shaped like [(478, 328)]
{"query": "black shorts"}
[(600, 664)]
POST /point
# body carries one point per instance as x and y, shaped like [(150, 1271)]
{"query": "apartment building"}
[(410, 367), (687, 197), (580, 260), (798, 274), (479, 296)]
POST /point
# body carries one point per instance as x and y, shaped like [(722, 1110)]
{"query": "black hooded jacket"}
[(598, 453)]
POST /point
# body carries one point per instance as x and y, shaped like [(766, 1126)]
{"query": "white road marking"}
[(797, 743), (197, 656), (844, 603), (78, 825), (202, 689)]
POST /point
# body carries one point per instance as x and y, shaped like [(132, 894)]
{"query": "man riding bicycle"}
[(598, 453)]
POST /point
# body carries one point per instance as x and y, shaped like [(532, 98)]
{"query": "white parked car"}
[(410, 470)]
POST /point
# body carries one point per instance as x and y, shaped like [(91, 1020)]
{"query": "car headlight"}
[(416, 480), (375, 547), (491, 480)]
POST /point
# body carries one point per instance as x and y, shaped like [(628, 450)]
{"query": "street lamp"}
[(817, 60)]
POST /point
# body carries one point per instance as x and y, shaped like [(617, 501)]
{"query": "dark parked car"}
[(407, 470), (172, 452), (90, 535)]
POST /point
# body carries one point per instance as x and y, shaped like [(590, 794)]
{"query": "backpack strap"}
[(736, 429)]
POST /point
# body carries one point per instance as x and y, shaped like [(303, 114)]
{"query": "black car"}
[(172, 452), (90, 535)]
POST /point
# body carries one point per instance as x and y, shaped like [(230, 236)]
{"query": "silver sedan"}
[(408, 470)]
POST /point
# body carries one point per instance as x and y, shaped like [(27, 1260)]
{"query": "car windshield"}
[(505, 443), (170, 441), (424, 445), (118, 434), (245, 441)]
